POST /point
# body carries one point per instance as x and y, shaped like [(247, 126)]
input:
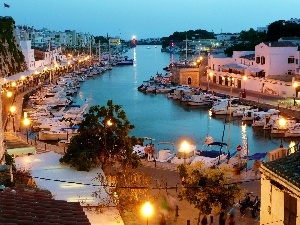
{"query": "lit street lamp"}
[(147, 210), (282, 123), (210, 75), (26, 123), (184, 148), (12, 111)]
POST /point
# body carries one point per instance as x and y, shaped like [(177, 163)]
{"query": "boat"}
[(293, 131), (166, 154), (139, 150), (124, 61), (261, 118), (224, 108), (185, 154), (211, 157), (57, 133), (199, 99)]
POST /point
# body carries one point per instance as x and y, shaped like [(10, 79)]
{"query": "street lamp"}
[(184, 148), (68, 66), (147, 210), (282, 123), (12, 111), (210, 75), (26, 123)]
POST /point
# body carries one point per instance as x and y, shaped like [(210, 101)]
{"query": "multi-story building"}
[(272, 68)]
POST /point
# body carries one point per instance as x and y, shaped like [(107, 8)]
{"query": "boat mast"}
[(185, 48), (99, 53)]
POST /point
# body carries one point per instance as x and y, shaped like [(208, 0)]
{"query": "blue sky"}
[(154, 18)]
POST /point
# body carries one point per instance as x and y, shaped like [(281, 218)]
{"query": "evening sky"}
[(152, 18)]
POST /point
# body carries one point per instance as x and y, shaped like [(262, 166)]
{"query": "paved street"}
[(165, 175)]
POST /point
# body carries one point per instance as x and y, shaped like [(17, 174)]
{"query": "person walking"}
[(222, 218), (204, 220), (231, 220), (150, 152), (146, 150)]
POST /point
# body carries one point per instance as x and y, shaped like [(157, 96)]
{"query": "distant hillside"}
[(12, 60)]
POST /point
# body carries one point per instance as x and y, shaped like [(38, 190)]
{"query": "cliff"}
[(12, 60)]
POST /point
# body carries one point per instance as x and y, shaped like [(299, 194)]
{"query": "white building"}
[(271, 69), (28, 53), (226, 37), (280, 190)]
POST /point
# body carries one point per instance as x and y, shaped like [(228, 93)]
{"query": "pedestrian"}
[(256, 166), (146, 150), (150, 151), (294, 101), (204, 220), (162, 220), (222, 217), (153, 152), (231, 220)]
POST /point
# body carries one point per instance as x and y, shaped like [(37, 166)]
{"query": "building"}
[(280, 186), (186, 76), (272, 68)]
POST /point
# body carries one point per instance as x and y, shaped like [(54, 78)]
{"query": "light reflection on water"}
[(164, 119)]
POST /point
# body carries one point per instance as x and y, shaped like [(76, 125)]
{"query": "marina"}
[(164, 119)]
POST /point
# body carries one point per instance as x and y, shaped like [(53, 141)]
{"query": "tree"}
[(126, 189), (103, 137), (207, 189)]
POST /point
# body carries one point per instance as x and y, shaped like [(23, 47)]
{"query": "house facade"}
[(280, 190), (272, 68)]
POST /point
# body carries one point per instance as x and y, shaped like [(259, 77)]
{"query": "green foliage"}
[(281, 28), (207, 188), (9, 160), (180, 36), (103, 137)]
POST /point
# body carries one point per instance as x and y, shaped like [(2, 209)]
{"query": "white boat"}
[(139, 150), (57, 133), (224, 108), (261, 118), (199, 100), (184, 155), (249, 114), (165, 154), (293, 130)]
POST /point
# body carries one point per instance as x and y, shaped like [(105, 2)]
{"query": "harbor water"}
[(163, 119)]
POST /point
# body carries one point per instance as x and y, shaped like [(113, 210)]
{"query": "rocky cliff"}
[(12, 60)]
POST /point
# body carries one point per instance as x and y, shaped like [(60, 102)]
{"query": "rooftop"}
[(23, 205), (287, 167)]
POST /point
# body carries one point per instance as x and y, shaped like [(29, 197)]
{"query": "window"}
[(291, 60), (290, 209), (296, 61), (189, 80), (290, 72), (258, 60), (263, 60)]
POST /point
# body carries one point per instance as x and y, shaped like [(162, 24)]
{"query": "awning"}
[(256, 70), (256, 156)]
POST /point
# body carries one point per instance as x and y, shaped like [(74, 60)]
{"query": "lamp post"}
[(295, 85), (26, 123), (282, 123), (68, 66), (12, 111), (184, 148), (147, 210), (210, 75)]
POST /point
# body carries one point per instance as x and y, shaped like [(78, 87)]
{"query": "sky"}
[(149, 18)]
